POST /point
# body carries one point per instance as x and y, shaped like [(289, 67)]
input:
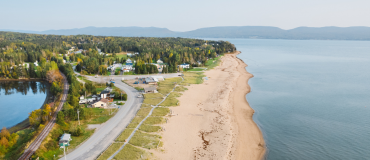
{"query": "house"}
[(129, 54), (150, 90), (64, 140), (136, 53), (106, 94), (103, 103), (36, 63), (129, 62), (95, 97), (159, 61), (127, 68), (185, 65)]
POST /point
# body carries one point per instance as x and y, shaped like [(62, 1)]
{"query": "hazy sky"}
[(181, 16)]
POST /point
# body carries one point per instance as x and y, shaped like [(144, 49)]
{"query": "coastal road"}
[(107, 133), (37, 142)]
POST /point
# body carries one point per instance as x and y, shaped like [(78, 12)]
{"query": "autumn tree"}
[(4, 133)]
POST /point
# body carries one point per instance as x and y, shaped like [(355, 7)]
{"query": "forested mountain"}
[(259, 32)]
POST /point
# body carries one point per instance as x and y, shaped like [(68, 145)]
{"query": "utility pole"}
[(78, 116), (85, 99), (65, 156)]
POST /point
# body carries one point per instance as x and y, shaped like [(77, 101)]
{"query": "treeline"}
[(17, 48)]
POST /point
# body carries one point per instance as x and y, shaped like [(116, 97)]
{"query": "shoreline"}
[(214, 119), (256, 142)]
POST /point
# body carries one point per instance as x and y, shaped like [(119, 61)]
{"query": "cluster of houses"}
[(99, 101), (128, 67)]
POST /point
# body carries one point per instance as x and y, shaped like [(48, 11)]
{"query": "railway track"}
[(36, 144)]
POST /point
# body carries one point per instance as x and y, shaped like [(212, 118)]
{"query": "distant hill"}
[(257, 32)]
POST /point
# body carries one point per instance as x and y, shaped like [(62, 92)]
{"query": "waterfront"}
[(311, 97), (18, 99)]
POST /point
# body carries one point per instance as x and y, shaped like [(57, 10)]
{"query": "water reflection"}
[(11, 87)]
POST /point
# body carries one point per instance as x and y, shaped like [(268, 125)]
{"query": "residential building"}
[(64, 140), (129, 62), (159, 61), (36, 63), (184, 65), (103, 103)]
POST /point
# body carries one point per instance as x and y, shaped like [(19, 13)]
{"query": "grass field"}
[(160, 111), (149, 128), (153, 101), (130, 152), (109, 151), (124, 135), (193, 77), (196, 69), (145, 140), (212, 63)]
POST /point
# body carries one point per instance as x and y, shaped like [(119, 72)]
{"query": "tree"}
[(60, 118), (35, 117), (4, 141), (4, 133)]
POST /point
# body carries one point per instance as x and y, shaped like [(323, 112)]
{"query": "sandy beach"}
[(214, 119)]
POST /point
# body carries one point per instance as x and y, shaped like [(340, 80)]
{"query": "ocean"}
[(311, 97)]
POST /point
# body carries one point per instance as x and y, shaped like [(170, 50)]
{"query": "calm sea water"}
[(312, 98), (17, 99)]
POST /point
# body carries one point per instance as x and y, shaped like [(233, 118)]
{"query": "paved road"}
[(37, 142), (106, 134)]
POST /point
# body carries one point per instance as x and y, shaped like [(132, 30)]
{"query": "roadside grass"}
[(153, 101), (153, 95), (149, 128), (196, 69), (125, 134), (135, 122), (145, 140), (130, 152), (97, 115), (154, 120), (144, 111), (160, 111), (110, 151)]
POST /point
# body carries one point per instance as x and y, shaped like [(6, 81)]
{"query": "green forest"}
[(17, 49)]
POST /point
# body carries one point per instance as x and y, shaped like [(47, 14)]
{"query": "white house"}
[(128, 62), (184, 65), (36, 63), (64, 140), (127, 68), (129, 54), (159, 61)]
